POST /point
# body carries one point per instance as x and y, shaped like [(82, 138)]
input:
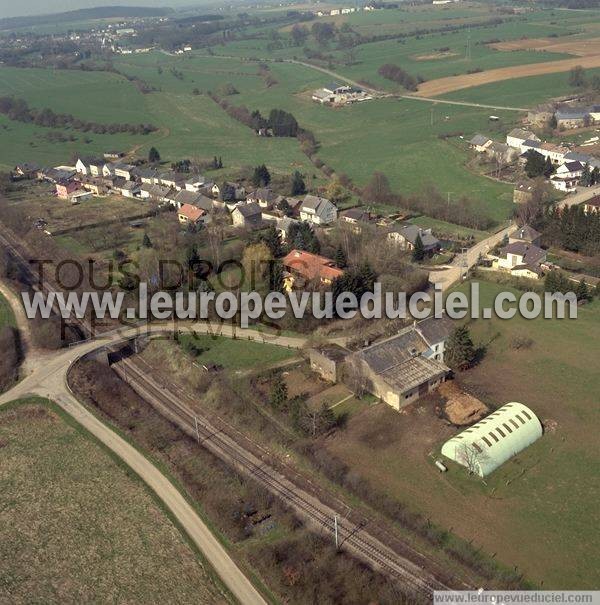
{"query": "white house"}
[(480, 142), (517, 136), (318, 210), (567, 176), (521, 259)]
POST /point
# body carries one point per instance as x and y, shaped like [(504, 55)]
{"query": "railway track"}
[(351, 536)]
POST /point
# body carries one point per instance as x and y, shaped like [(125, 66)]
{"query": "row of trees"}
[(19, 110), (557, 281), (572, 229), (400, 76)]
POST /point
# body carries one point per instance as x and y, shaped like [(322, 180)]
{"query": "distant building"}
[(480, 142), (64, 189), (525, 234), (521, 259), (492, 441), (189, 214), (568, 118), (592, 205), (327, 361)]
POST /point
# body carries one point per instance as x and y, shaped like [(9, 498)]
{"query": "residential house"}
[(567, 176), (318, 210), (54, 175), (26, 170), (356, 219), (148, 176), (64, 189), (304, 268), (400, 369), (281, 224), (174, 180), (90, 166), (568, 118), (339, 94), (186, 197), (247, 216), (129, 189), (556, 153), (405, 236), (525, 234), (158, 193), (517, 136), (264, 197), (521, 259), (592, 205), (480, 143), (501, 152), (95, 186), (190, 215), (125, 171), (194, 183), (576, 156)]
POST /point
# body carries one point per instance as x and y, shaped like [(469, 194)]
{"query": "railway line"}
[(351, 536)]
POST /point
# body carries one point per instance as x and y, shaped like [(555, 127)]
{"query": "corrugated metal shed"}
[(486, 445)]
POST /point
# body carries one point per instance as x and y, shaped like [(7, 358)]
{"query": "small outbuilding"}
[(490, 442)]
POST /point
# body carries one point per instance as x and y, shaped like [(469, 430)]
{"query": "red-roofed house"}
[(65, 188), (308, 267), (189, 214), (592, 205)]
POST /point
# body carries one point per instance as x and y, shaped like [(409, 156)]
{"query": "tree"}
[(299, 34), (261, 176), (340, 258), (227, 192), (335, 191), (535, 164), (577, 77), (460, 350), (298, 186), (283, 123), (548, 167), (284, 206), (256, 261), (153, 155), (276, 279), (279, 394), (418, 253), (582, 292), (378, 188), (272, 239), (146, 242)]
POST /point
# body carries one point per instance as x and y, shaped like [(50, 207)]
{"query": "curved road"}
[(47, 378)]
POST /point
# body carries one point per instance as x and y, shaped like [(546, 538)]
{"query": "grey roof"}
[(532, 255), (435, 329), (130, 186), (357, 214), (394, 351), (573, 166), (532, 143), (572, 114), (266, 194), (411, 232), (187, 197), (520, 133), (204, 202), (147, 173), (525, 233), (249, 210), (413, 372), (479, 139), (575, 156)]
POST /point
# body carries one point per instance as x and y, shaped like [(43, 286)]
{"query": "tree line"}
[(396, 74), (572, 229), (18, 110)]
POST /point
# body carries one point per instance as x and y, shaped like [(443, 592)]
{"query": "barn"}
[(488, 444)]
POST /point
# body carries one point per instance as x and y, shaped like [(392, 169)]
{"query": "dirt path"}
[(452, 83)]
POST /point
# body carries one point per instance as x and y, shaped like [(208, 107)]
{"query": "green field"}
[(78, 527), (7, 317), (235, 354), (538, 510)]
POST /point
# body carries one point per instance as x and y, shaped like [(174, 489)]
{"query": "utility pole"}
[(432, 115), (449, 192), (197, 432), (337, 539)]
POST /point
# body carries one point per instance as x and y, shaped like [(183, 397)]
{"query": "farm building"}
[(488, 444)]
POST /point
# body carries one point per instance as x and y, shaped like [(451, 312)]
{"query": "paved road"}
[(581, 196), (47, 378), (452, 273)]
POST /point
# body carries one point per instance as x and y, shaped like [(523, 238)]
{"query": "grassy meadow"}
[(78, 527)]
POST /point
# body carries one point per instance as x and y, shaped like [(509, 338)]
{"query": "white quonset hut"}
[(488, 444)]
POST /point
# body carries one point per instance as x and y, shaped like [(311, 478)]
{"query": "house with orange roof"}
[(190, 215), (303, 268)]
